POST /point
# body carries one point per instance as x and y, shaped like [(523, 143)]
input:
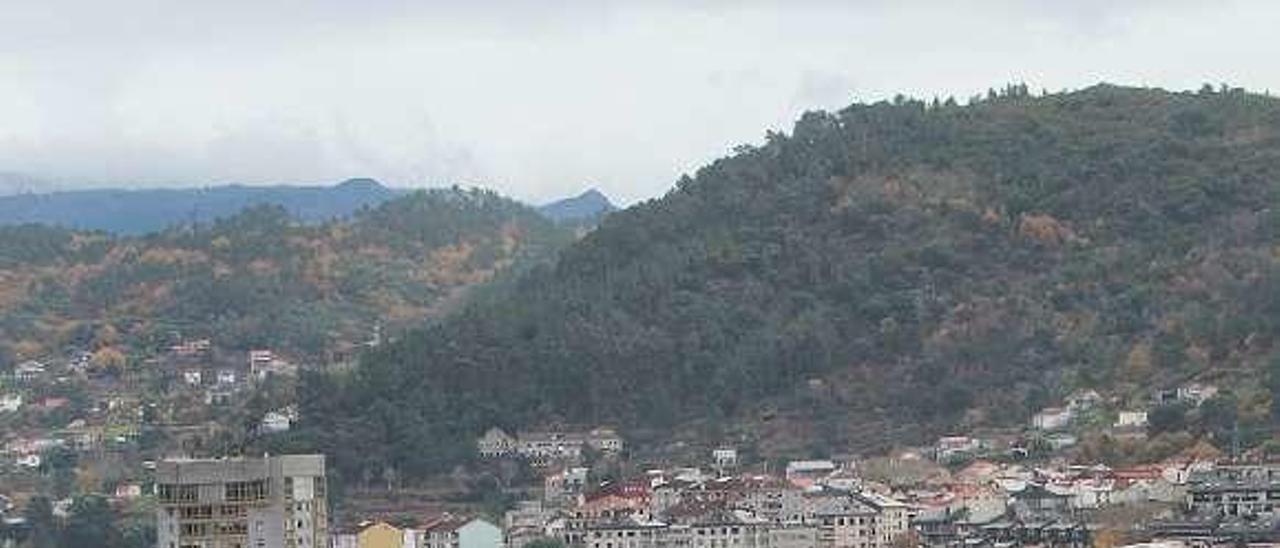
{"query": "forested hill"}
[(881, 273), (140, 211), (262, 278)]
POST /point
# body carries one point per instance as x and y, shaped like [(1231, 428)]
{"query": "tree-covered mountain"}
[(881, 273), (141, 211), (589, 206), (262, 277)]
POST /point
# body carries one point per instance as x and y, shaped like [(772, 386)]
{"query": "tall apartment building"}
[(269, 502)]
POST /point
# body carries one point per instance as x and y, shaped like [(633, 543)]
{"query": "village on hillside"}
[(77, 427)]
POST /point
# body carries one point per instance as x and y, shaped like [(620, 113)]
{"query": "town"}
[(159, 445)]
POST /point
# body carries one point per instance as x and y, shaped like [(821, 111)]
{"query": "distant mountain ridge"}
[(586, 206), (150, 210), (26, 200)]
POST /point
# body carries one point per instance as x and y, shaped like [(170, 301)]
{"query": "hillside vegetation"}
[(261, 278), (880, 274)]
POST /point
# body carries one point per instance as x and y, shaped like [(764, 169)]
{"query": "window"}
[(242, 491), (176, 493)]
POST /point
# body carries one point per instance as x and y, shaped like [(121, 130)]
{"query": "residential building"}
[(559, 487), (809, 472), (725, 458), (460, 532), (1196, 393), (380, 535), (1052, 418), (1235, 490), (955, 447), (543, 447), (605, 440), (1131, 419), (28, 371), (10, 402), (265, 363), (192, 348), (268, 502), (495, 443), (274, 422), (526, 523), (1083, 400)]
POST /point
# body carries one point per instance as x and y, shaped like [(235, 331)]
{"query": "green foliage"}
[(1170, 417), (897, 262), (1273, 385)]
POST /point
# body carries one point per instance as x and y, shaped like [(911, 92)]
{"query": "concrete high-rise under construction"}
[(268, 502)]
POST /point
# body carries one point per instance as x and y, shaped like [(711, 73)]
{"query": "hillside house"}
[(274, 422), (542, 447), (953, 447), (10, 403), (265, 363), (1196, 393), (561, 486), (192, 348), (724, 458), (1083, 400), (605, 440), (31, 461), (1060, 440), (1131, 419), (495, 443), (29, 371), (1052, 418), (804, 473)]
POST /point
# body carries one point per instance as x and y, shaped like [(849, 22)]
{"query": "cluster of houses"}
[(107, 415), (1052, 429), (820, 503), (444, 531), (545, 447), (1228, 504), (687, 507), (1061, 417), (219, 378)]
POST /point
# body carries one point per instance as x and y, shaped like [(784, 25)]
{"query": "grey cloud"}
[(538, 98)]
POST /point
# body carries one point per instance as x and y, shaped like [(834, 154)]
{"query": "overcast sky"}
[(539, 99)]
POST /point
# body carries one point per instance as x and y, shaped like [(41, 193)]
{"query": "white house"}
[(949, 447), (725, 458), (191, 377), (28, 371), (605, 440), (495, 443), (1083, 400), (1052, 418), (10, 402), (1060, 440), (808, 472), (226, 376), (1132, 419), (460, 533), (29, 461), (275, 422), (1196, 393)]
